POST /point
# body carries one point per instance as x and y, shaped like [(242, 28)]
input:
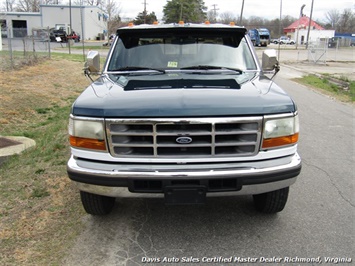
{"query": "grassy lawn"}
[(78, 46), (336, 89), (40, 212)]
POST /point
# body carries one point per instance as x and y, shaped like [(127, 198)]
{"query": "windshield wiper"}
[(136, 68), (208, 67)]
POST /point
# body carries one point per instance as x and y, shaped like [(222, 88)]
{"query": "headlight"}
[(280, 132), (87, 134)]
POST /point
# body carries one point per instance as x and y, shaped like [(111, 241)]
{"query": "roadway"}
[(317, 223)]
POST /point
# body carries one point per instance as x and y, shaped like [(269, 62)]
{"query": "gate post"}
[(0, 39)]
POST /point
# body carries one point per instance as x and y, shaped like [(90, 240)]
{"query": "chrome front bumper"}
[(252, 177)]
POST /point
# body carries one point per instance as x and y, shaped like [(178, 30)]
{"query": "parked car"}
[(286, 40), (55, 34), (110, 40), (74, 36)]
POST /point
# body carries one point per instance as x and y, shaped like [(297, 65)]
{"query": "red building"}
[(301, 24), (298, 31)]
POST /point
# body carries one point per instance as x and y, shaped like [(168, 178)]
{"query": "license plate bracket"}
[(185, 195)]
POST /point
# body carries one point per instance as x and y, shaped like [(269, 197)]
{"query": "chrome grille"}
[(182, 138)]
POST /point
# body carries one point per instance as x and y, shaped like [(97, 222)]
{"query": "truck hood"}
[(182, 95)]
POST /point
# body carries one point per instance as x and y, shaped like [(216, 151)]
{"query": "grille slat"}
[(168, 138)]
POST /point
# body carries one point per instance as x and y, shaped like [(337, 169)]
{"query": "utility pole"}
[(309, 25), (0, 40), (68, 40), (241, 14), (280, 30), (145, 11), (215, 12), (181, 3)]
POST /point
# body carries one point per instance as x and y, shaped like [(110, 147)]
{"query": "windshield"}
[(173, 53)]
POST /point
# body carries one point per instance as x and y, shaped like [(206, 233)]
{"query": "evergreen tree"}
[(144, 18), (186, 10)]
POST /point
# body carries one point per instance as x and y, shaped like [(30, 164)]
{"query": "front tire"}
[(271, 202), (96, 204)]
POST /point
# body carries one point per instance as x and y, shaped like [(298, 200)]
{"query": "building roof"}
[(303, 23)]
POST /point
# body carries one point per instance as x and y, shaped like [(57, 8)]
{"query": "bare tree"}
[(27, 6), (51, 2), (347, 22), (8, 6), (113, 10), (332, 17), (256, 22), (211, 16), (93, 2), (227, 17)]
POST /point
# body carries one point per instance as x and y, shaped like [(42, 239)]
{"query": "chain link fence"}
[(317, 51), (23, 49)]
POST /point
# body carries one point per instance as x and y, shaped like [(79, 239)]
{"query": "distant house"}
[(298, 31), (88, 21)]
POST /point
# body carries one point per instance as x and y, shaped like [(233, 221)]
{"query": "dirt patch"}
[(26, 90)]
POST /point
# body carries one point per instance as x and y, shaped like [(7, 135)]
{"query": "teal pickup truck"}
[(185, 111)]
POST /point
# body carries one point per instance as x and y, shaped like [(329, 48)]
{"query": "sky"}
[(268, 9)]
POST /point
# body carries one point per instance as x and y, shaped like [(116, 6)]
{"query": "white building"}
[(298, 31), (88, 21), (314, 35)]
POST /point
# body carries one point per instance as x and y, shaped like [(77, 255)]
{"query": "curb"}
[(24, 143)]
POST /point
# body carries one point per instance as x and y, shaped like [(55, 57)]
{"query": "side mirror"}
[(92, 64), (269, 61)]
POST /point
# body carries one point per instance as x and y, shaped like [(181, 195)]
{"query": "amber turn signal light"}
[(280, 141), (93, 144)]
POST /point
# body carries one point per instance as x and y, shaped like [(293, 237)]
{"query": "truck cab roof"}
[(204, 27)]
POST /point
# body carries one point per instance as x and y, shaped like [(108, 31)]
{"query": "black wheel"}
[(271, 202), (96, 204)]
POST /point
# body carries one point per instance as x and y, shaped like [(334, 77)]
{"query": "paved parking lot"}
[(339, 62)]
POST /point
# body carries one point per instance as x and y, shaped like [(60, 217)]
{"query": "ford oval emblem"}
[(184, 140)]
